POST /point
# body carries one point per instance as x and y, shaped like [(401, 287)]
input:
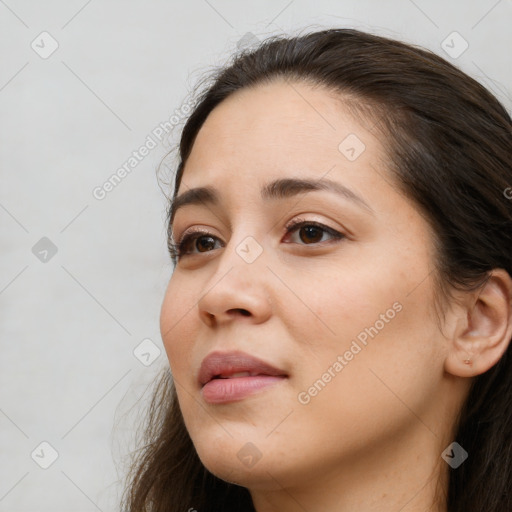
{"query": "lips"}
[(233, 365)]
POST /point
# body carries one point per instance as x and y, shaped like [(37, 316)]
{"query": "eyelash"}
[(177, 249)]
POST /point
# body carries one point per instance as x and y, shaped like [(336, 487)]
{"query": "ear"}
[(483, 327)]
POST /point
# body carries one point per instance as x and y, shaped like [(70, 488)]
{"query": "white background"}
[(69, 326)]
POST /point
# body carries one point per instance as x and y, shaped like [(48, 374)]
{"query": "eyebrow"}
[(277, 189)]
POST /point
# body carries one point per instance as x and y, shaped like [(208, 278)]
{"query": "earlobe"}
[(484, 333)]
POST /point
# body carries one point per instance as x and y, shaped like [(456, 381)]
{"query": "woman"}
[(339, 318)]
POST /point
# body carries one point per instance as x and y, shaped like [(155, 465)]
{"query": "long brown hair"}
[(449, 143)]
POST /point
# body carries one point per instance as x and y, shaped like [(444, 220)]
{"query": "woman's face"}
[(342, 307)]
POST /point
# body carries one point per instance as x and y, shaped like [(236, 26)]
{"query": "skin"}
[(372, 438)]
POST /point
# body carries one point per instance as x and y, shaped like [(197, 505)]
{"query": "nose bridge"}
[(243, 262), (245, 248), (240, 281)]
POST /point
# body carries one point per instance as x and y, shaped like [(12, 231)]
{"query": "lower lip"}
[(219, 391)]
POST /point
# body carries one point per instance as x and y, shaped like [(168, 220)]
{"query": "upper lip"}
[(228, 363)]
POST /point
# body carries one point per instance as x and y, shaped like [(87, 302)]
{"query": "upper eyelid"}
[(290, 226), (295, 224), (194, 231)]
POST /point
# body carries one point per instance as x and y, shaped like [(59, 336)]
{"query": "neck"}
[(406, 474)]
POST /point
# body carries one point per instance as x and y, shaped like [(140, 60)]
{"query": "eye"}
[(201, 240), (309, 232)]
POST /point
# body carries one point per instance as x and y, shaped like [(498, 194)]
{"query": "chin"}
[(240, 463), (261, 476)]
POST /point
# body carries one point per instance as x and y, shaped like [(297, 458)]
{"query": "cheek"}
[(374, 335), (177, 325), (369, 292), (343, 304), (381, 389)]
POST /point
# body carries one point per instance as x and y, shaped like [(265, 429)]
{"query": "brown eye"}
[(192, 243), (204, 242), (310, 232), (197, 242)]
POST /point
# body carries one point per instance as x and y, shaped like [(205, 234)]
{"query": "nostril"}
[(243, 312)]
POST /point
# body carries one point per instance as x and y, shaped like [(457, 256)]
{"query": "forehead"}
[(280, 127)]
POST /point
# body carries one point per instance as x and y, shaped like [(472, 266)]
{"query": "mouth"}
[(233, 365), (238, 374), (231, 376)]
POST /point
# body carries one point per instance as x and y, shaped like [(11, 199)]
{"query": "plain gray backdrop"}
[(83, 85)]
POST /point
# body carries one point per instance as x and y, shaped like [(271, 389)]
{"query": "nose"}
[(237, 289)]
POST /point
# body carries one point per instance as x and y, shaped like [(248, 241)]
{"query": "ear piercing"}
[(468, 361)]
